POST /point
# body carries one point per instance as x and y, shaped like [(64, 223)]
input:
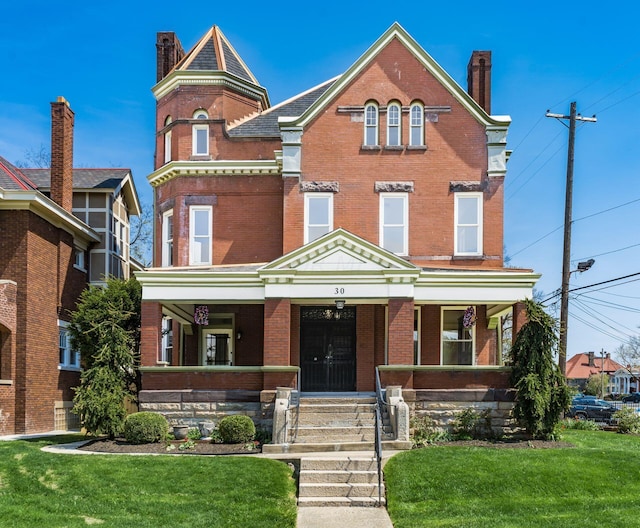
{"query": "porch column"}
[(277, 332), (150, 333), (400, 349), (519, 317)]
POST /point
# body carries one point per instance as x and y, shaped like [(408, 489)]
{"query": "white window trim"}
[(167, 330), (405, 241), (417, 316), (479, 197), (398, 126), (230, 358), (307, 198), (472, 332), (194, 140), (63, 326), (192, 210), (412, 126), (167, 146), (79, 259), (167, 260), (367, 127)]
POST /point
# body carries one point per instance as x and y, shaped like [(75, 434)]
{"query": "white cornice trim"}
[(174, 169)]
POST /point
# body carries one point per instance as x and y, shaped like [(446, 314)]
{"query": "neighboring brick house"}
[(356, 225), (58, 236)]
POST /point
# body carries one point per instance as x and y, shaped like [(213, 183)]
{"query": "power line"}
[(593, 285)]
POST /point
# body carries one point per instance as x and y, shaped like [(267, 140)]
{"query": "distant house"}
[(62, 229), (582, 366), (357, 225)]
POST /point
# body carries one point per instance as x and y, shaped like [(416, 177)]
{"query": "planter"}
[(180, 431), (206, 428)]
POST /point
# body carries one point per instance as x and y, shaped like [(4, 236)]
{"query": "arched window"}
[(167, 141), (200, 136), (416, 135), (371, 124), (393, 124)]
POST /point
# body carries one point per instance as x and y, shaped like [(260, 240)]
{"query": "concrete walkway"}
[(308, 516)]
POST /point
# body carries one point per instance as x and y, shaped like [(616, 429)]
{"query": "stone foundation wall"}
[(192, 407)]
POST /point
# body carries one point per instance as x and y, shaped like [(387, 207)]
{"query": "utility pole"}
[(566, 253)]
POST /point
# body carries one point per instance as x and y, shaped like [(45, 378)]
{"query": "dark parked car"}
[(632, 398), (591, 408)]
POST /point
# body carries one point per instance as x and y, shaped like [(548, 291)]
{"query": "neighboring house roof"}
[(578, 366), (12, 178), (114, 180)]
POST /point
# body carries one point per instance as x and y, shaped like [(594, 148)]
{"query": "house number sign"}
[(338, 291)]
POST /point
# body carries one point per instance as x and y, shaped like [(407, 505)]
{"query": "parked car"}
[(632, 398), (591, 408)]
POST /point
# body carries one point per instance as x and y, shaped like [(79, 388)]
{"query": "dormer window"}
[(393, 125), (416, 132), (371, 125), (200, 136)]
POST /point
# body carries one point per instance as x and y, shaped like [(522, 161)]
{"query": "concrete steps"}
[(339, 482)]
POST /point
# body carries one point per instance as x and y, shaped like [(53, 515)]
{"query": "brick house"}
[(62, 229), (355, 226)]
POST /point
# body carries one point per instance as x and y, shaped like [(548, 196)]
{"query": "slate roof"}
[(213, 52), (578, 366), (265, 124), (13, 179), (82, 178)]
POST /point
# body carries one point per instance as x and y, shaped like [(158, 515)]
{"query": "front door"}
[(328, 349)]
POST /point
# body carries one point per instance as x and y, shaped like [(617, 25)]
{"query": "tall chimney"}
[(168, 53), (62, 118), (592, 356), (479, 79)]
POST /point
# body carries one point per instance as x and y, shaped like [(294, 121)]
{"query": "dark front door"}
[(328, 348)]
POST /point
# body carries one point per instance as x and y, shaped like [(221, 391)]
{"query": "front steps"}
[(351, 481)]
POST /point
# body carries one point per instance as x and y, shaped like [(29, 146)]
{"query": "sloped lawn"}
[(57, 490), (594, 484)]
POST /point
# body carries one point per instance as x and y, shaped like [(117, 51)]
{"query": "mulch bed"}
[(202, 447)]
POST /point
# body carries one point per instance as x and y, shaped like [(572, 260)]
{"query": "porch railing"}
[(378, 436)]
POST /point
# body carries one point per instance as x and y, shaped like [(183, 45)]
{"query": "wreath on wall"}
[(469, 317), (201, 315)]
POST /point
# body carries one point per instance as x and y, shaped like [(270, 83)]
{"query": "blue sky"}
[(101, 58)]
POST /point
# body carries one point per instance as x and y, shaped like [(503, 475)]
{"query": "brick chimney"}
[(592, 356), (62, 118), (169, 52), (479, 79)]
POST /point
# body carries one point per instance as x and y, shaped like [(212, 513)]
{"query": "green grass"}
[(594, 484), (60, 490)]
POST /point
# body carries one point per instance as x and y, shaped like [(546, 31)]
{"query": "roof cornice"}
[(174, 169)]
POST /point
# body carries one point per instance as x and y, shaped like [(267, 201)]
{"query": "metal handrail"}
[(294, 403), (378, 435)]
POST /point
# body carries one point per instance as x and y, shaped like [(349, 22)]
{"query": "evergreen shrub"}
[(237, 429), (145, 428)]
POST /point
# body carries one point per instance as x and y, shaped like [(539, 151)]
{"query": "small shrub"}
[(471, 424), (424, 431), (237, 429), (187, 444), (580, 425), (145, 428), (263, 435), (194, 434), (216, 437), (628, 420)]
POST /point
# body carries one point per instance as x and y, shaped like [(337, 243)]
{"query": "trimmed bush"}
[(628, 420), (237, 429), (145, 428)]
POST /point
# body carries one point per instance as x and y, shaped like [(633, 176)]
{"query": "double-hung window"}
[(167, 141), (416, 132), (370, 125), (200, 234), (200, 136), (167, 340), (318, 215), (167, 238), (457, 340), (468, 223), (394, 222), (68, 358), (393, 125)]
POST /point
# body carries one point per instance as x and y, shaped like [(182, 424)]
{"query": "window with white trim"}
[(416, 334), (457, 341), (394, 222), (393, 125), (200, 231), (416, 128), (167, 238), (318, 215), (370, 125), (167, 141), (166, 350), (78, 259), (200, 135), (468, 223), (67, 358)]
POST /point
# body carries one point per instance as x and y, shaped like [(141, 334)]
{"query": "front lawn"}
[(57, 490), (596, 483)]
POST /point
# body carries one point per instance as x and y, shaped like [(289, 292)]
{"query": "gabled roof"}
[(578, 366), (12, 178), (213, 52), (113, 180)]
